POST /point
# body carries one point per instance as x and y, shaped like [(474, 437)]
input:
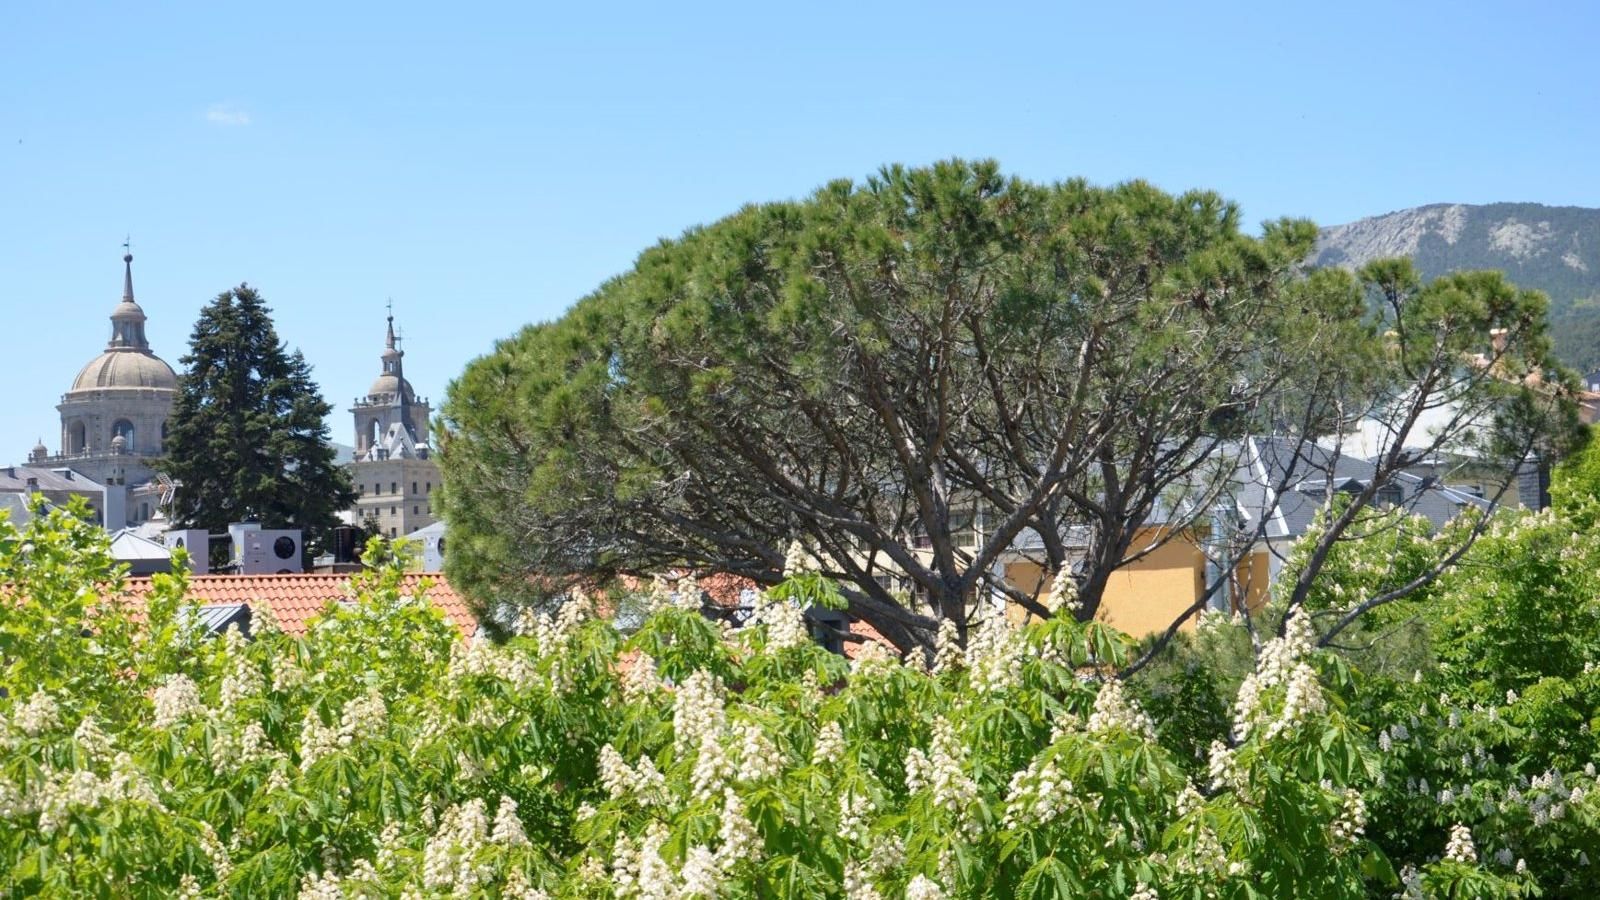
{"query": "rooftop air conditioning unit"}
[(197, 541), (259, 551)]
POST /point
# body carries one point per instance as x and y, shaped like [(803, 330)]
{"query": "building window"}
[(361, 489), (391, 532), (391, 510), (377, 487), (77, 438), (413, 487), (394, 487), (429, 486), (413, 510)]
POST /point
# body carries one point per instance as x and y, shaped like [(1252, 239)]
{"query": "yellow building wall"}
[(1144, 596)]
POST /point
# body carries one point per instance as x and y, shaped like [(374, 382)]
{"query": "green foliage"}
[(1481, 693), (249, 437), (379, 755)]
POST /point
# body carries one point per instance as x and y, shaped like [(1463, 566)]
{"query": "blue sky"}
[(486, 165)]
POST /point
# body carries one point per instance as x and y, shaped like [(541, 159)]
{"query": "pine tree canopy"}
[(249, 436), (934, 377)]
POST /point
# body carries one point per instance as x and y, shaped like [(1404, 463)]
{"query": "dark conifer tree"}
[(249, 436)]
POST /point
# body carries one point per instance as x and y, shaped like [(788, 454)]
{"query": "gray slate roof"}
[(1263, 462), (15, 478)]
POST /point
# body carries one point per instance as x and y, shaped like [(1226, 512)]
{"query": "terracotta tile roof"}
[(295, 598)]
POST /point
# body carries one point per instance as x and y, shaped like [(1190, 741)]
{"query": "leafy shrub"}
[(380, 756)]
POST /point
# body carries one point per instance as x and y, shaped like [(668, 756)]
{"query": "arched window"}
[(77, 438), (124, 429)]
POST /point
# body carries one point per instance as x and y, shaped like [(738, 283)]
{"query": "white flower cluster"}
[(994, 655), (1224, 768), (758, 757), (451, 859), (517, 887), (482, 657), (1393, 734), (855, 817), (640, 680), (94, 743), (1282, 663), (1115, 711), (798, 560), (1549, 797), (924, 888), (701, 875), (947, 653), (1410, 883), (785, 625), (737, 834), (176, 700), (639, 870), (36, 715), (286, 672), (1350, 824), (939, 771), (858, 883), (697, 711), (1063, 594), (325, 886), (644, 782), (1460, 847), (211, 845), (1142, 891), (264, 622), (361, 717), (829, 746), (1037, 794), (1206, 856), (57, 793), (553, 632), (1189, 800), (243, 679), (713, 769), (507, 831), (872, 658)]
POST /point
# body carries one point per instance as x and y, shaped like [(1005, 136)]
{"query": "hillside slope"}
[(1555, 249)]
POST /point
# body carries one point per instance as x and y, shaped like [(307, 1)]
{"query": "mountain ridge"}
[(1554, 249)]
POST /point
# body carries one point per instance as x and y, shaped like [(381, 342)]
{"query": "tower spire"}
[(127, 320), (127, 269)]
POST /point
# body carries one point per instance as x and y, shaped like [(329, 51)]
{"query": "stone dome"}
[(390, 385), (125, 369)]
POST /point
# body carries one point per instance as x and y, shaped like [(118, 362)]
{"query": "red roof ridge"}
[(296, 597)]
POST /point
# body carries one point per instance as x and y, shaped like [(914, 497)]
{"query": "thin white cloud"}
[(227, 115)]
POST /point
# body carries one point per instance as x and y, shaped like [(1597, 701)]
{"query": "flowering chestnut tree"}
[(379, 755)]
